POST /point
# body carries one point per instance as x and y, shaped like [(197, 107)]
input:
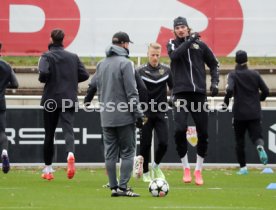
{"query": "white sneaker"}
[(138, 166), (48, 169)]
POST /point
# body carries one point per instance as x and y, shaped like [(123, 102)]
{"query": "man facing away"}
[(118, 96), (188, 57), (61, 71), (245, 84), (7, 80), (156, 77)]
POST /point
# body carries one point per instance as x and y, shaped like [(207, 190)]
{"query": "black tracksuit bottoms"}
[(196, 104), (3, 137), (51, 119), (157, 121), (255, 133)]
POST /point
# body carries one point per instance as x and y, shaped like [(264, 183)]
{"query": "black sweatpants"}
[(3, 136), (255, 134), (196, 104), (50, 124), (157, 121)]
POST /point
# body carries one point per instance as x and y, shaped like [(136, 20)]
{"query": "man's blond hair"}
[(155, 46)]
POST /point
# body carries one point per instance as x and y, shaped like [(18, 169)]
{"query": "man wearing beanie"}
[(244, 85), (188, 56)]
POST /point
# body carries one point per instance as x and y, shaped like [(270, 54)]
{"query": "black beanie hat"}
[(241, 57), (180, 21)]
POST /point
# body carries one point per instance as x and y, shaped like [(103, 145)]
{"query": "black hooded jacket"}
[(188, 59)]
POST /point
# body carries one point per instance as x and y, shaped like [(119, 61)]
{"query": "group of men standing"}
[(186, 79), (116, 82)]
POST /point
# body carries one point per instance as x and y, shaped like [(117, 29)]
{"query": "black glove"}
[(171, 101), (86, 102), (214, 89), (194, 36), (140, 121), (224, 107)]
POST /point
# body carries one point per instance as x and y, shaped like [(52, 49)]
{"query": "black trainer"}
[(5, 163), (127, 193), (129, 189), (114, 193)]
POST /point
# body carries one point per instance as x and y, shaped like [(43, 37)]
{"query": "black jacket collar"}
[(55, 47), (241, 67)]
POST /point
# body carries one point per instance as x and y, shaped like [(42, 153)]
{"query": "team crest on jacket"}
[(195, 46), (161, 71)]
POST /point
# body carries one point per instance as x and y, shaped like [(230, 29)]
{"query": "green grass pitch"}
[(223, 189)]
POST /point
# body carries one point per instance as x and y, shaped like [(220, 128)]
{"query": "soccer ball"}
[(159, 187)]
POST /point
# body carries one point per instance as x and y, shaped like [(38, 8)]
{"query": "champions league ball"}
[(159, 187)]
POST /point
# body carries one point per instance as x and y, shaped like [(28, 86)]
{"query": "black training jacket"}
[(244, 85), (188, 59), (156, 80), (7, 80), (61, 71)]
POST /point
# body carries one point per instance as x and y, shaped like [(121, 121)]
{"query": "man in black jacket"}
[(244, 85), (188, 57), (61, 71), (157, 77), (7, 80)]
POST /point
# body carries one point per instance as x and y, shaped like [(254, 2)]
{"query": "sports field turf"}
[(223, 189)]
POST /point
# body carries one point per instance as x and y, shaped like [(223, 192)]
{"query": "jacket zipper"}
[(191, 70)]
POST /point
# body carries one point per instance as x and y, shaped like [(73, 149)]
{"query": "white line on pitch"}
[(20, 207), (188, 188), (194, 188), (203, 207)]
